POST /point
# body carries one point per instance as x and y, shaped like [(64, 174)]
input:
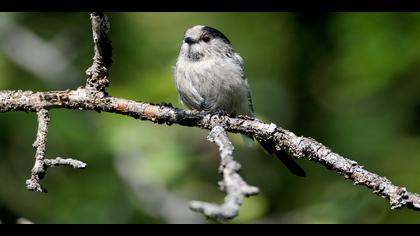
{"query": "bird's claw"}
[(220, 113), (166, 104), (246, 117)]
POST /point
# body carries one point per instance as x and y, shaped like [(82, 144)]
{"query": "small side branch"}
[(233, 184), (41, 164), (40, 144), (97, 74), (65, 162)]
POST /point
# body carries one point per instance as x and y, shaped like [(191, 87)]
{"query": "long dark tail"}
[(288, 161)]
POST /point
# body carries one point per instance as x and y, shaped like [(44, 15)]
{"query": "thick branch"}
[(41, 164), (298, 147), (233, 184), (97, 74)]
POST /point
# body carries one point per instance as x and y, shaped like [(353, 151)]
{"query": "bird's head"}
[(203, 42)]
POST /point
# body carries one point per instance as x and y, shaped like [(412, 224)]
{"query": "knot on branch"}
[(97, 80)]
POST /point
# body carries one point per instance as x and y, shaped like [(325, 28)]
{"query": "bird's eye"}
[(206, 39)]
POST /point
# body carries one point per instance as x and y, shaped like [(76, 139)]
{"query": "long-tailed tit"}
[(210, 76)]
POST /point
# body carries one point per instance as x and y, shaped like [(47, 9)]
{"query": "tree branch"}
[(94, 97), (96, 83), (298, 147), (233, 184)]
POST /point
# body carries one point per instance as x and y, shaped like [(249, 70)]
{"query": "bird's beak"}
[(189, 41)]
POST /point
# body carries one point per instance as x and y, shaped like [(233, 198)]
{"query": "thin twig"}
[(233, 184), (65, 162)]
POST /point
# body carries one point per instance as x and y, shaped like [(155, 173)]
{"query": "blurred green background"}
[(349, 80)]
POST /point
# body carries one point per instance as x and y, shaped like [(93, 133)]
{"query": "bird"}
[(210, 76)]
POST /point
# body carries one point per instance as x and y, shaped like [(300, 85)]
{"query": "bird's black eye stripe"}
[(205, 38)]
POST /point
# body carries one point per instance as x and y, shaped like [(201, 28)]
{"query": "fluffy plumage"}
[(210, 75)]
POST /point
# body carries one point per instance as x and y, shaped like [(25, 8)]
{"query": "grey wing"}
[(188, 94), (238, 59)]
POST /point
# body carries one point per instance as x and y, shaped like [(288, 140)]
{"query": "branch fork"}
[(41, 164)]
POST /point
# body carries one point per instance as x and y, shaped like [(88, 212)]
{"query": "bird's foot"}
[(220, 113), (166, 104), (246, 117)]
